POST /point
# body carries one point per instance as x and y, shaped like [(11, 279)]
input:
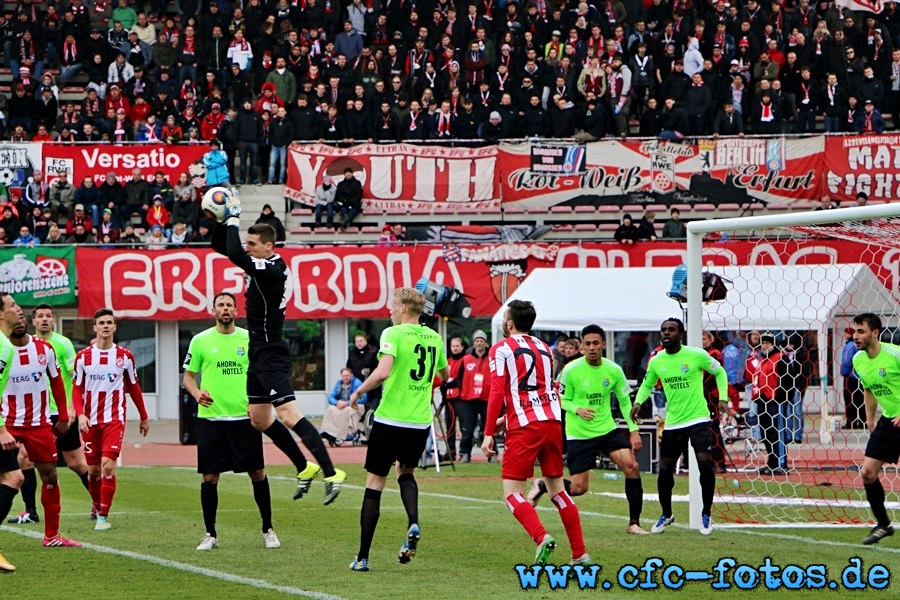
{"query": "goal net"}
[(793, 440)]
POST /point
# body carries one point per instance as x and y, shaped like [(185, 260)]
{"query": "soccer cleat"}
[(208, 543), (58, 541), (662, 523), (544, 549), (705, 525), (408, 549), (6, 566), (359, 564), (636, 529), (25, 517), (305, 479), (333, 486), (877, 533), (271, 539), (102, 523), (538, 489), (94, 512), (584, 560)]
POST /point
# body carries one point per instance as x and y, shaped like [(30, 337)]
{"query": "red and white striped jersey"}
[(101, 375), (26, 401), (522, 378)]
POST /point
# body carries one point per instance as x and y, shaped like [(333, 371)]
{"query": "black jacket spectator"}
[(349, 193), (248, 126), (728, 123), (651, 122), (281, 132), (627, 233), (269, 217), (306, 122)]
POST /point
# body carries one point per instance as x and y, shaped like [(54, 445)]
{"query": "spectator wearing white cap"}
[(476, 379)]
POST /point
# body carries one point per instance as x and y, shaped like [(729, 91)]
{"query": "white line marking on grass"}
[(178, 566)]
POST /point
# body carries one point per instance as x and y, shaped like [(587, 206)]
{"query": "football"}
[(213, 203)]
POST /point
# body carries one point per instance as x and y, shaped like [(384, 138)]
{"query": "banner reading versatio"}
[(94, 160), (398, 175), (38, 274)]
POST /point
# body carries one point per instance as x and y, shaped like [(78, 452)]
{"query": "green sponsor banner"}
[(39, 274)]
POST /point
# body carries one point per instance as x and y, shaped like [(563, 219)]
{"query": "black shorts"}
[(224, 446), (9, 460), (582, 454), (389, 444), (69, 442), (675, 441), (884, 442), (269, 375)]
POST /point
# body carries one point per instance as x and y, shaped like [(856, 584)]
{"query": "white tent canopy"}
[(785, 297)]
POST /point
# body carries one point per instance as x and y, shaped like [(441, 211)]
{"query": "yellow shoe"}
[(305, 479), (6, 566), (333, 486)]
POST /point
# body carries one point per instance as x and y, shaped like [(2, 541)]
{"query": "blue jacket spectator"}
[(216, 163)]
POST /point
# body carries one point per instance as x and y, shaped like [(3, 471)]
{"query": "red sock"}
[(525, 514), (94, 490), (107, 491), (568, 512), (50, 502)]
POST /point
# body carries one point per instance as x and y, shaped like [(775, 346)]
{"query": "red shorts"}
[(104, 440), (541, 441), (39, 442)]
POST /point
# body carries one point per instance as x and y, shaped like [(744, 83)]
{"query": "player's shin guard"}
[(368, 521), (525, 514), (634, 493), (50, 502), (107, 491), (707, 483), (6, 499), (29, 489), (263, 498), (94, 489), (875, 496), (409, 493), (209, 502), (664, 484), (568, 512), (281, 437), (310, 437)]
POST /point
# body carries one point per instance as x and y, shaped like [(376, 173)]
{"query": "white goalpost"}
[(806, 308)]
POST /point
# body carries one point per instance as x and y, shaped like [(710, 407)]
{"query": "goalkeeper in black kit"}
[(268, 377)]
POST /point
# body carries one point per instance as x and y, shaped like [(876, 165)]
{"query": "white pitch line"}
[(171, 564)]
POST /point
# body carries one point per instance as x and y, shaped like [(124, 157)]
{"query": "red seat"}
[(561, 209), (301, 230), (585, 208)]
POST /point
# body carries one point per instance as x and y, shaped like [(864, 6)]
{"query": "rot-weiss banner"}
[(339, 282), (727, 170), (398, 175), (96, 160), (862, 163)]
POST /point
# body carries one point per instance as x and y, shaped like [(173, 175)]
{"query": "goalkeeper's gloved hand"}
[(233, 208)]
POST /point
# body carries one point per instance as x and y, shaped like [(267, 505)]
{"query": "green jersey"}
[(418, 353), (881, 376), (221, 360), (584, 386), (65, 356), (682, 380), (7, 354)]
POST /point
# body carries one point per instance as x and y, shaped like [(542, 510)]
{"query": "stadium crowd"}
[(260, 75)]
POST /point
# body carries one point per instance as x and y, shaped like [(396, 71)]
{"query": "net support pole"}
[(694, 331)]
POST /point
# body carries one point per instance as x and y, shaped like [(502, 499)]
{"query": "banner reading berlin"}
[(398, 175), (95, 160), (38, 274)]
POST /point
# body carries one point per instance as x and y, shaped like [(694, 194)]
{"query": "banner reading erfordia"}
[(38, 274)]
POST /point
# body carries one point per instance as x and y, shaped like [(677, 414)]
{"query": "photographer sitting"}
[(341, 421)]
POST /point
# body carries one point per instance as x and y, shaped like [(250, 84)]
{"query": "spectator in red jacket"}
[(78, 218), (474, 393), (158, 215), (209, 128), (452, 389)]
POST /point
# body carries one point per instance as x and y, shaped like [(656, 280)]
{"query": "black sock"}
[(84, 481), (634, 492), (664, 484), (310, 438), (263, 502), (368, 521), (707, 484), (875, 496), (409, 493), (282, 438), (567, 483), (6, 499), (209, 500), (29, 489)]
